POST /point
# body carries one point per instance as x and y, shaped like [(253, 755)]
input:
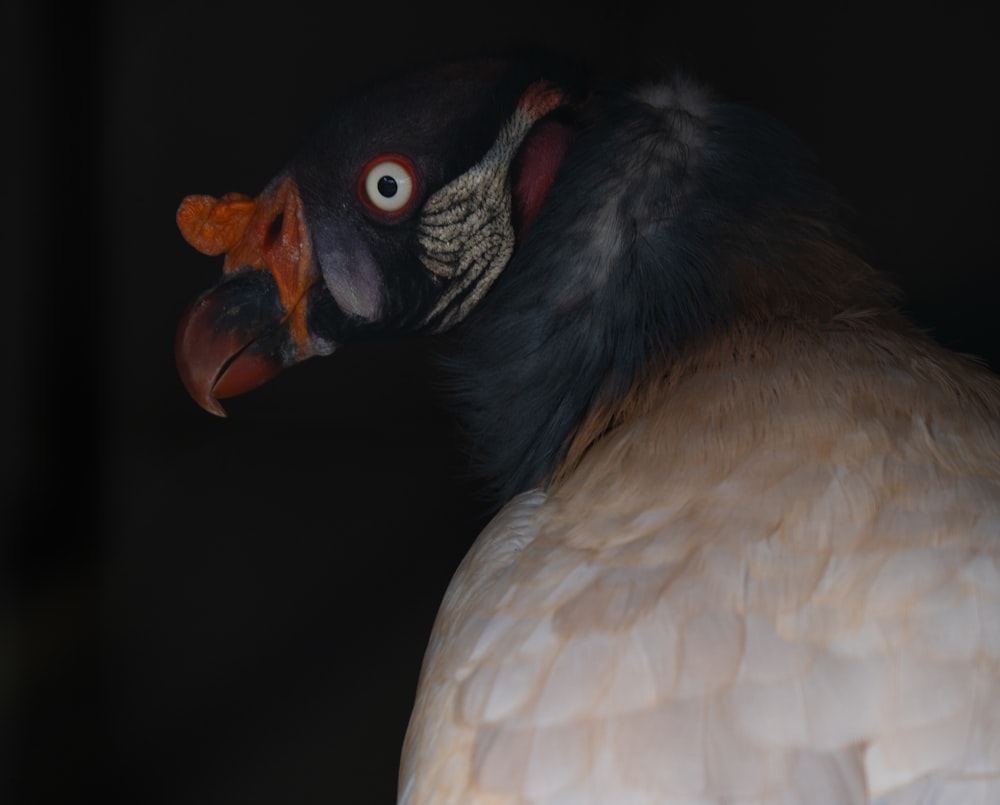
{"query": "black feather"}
[(671, 216)]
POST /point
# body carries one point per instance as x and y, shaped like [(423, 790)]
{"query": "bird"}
[(746, 543)]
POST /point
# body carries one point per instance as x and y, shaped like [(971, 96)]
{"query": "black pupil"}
[(387, 186)]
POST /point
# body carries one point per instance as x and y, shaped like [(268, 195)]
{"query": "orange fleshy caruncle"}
[(215, 225), (269, 234)]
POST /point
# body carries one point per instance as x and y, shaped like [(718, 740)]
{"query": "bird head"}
[(590, 244), (397, 213)]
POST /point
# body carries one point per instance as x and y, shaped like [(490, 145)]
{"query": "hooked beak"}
[(251, 324)]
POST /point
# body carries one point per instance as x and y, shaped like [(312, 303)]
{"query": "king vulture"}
[(749, 543)]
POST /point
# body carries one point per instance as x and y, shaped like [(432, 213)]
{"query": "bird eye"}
[(387, 184)]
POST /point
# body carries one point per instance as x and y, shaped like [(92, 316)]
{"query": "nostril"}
[(274, 230)]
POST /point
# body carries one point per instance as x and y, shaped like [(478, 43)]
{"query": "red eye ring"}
[(387, 185)]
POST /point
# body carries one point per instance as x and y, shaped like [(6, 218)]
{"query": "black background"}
[(206, 611)]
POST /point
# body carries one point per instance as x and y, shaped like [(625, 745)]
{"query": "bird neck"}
[(665, 228)]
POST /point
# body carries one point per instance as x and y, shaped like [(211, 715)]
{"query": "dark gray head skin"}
[(367, 229), (574, 236)]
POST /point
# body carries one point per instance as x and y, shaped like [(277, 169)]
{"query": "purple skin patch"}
[(351, 275)]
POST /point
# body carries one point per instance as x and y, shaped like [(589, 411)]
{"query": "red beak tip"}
[(213, 407)]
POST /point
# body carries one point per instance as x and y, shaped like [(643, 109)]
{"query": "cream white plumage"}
[(752, 549), (799, 602)]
